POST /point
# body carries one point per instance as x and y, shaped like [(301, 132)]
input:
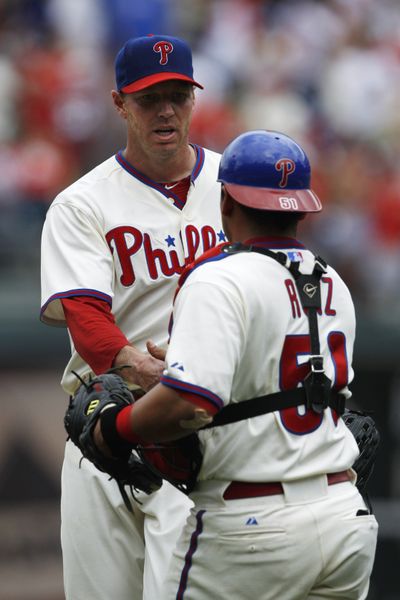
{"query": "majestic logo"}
[(287, 166), (178, 365), (164, 48)]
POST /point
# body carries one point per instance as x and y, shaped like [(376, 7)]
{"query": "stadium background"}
[(325, 72)]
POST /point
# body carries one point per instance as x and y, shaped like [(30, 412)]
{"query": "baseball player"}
[(113, 246), (260, 358)]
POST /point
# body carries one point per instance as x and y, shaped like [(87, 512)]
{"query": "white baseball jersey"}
[(239, 332), (120, 237)]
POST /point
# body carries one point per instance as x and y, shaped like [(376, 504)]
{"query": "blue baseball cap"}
[(268, 170), (145, 61)]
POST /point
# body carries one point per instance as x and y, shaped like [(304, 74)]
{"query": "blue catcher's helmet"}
[(268, 170)]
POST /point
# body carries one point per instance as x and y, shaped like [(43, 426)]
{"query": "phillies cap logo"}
[(164, 48), (287, 166)]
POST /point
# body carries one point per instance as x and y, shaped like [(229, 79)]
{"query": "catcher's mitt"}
[(367, 436), (107, 392), (178, 462)]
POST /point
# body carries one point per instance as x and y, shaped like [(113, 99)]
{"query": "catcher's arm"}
[(161, 426), (161, 415)]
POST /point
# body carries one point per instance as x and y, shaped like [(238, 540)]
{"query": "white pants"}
[(305, 543), (109, 553)]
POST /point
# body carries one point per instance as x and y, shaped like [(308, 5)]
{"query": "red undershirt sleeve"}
[(124, 427), (96, 337)]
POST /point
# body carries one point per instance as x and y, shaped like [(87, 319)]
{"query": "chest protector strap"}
[(317, 392)]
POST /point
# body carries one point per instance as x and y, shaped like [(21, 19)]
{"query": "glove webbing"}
[(316, 392)]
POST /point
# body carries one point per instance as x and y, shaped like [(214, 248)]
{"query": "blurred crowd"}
[(326, 72)]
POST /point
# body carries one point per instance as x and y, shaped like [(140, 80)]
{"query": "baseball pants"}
[(314, 542), (107, 551)]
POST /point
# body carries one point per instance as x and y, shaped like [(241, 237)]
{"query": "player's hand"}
[(145, 369), (155, 350), (99, 441)]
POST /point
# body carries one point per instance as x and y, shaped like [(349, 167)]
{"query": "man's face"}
[(159, 116)]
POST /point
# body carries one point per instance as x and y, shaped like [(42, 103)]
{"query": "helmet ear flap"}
[(268, 170)]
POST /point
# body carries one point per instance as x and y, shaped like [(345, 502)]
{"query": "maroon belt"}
[(247, 489)]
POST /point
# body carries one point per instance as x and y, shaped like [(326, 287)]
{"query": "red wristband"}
[(124, 427)]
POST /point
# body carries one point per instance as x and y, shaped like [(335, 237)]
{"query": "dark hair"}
[(281, 221)]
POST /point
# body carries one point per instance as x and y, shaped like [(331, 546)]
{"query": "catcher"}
[(254, 389)]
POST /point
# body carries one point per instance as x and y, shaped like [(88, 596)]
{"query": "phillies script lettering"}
[(127, 241)]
